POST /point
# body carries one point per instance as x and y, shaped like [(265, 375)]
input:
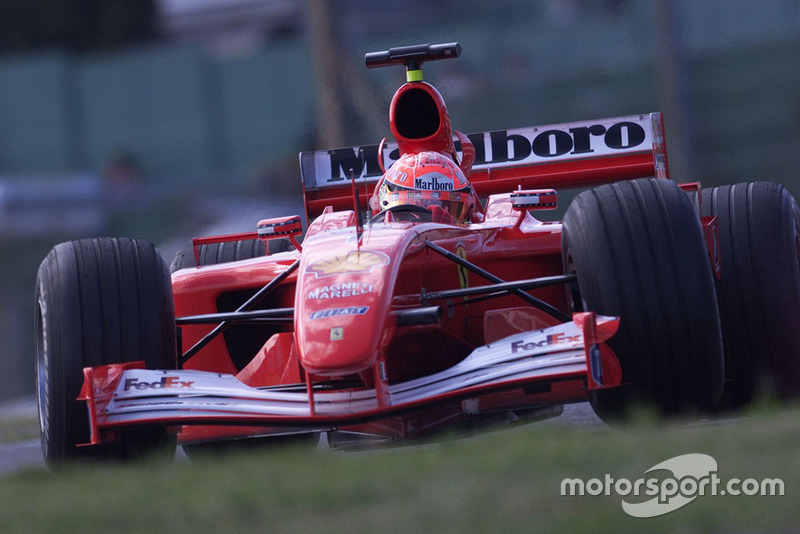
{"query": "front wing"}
[(127, 395)]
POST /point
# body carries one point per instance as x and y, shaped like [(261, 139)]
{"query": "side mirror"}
[(281, 228), (534, 200)]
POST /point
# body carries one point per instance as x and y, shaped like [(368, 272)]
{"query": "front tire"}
[(638, 250), (99, 301)]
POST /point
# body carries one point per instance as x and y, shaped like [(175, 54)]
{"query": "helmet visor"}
[(453, 202)]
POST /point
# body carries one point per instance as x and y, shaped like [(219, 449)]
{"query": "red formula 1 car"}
[(425, 294)]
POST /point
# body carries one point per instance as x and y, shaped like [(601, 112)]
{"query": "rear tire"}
[(99, 301), (638, 250), (758, 289), (215, 253)]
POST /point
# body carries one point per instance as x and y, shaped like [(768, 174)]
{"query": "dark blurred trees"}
[(82, 25)]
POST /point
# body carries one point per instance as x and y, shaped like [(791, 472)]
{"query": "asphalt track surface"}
[(28, 454), (17, 455)]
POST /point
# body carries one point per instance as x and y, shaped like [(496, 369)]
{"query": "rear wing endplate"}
[(568, 155)]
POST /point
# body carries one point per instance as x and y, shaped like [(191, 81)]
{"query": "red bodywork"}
[(349, 336)]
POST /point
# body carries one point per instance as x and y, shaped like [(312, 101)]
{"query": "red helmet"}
[(425, 179)]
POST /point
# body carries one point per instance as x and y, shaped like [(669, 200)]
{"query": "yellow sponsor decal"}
[(354, 261), (463, 273)]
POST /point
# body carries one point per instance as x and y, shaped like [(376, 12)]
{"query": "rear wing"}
[(568, 155)]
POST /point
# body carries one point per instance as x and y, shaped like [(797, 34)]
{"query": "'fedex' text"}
[(552, 339), (165, 383)]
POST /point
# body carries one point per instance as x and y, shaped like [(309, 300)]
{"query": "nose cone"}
[(341, 307)]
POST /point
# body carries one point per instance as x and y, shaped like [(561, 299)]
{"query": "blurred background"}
[(164, 119)]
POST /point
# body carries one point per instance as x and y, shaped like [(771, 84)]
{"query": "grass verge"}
[(18, 429), (506, 481)]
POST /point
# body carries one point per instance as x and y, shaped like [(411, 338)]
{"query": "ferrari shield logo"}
[(337, 333), (354, 261)]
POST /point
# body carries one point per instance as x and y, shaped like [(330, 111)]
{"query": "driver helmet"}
[(425, 179)]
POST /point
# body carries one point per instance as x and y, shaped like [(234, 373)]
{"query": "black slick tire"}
[(639, 253), (99, 301), (758, 289), (216, 253)]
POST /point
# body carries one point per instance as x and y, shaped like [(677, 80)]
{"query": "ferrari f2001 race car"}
[(426, 295)]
